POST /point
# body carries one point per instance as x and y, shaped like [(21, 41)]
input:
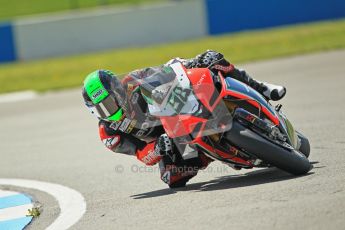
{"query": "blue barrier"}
[(222, 16), (7, 46), (235, 15)]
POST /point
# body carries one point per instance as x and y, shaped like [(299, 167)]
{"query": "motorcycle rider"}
[(125, 125)]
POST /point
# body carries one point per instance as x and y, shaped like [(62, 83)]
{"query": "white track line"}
[(72, 203), (19, 96), (4, 193), (14, 212)]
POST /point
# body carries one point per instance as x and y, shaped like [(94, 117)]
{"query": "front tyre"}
[(290, 161)]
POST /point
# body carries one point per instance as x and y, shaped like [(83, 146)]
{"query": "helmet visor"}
[(107, 109)]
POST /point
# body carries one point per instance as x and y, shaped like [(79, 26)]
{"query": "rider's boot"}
[(269, 91)]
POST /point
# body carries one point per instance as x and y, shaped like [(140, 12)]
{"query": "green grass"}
[(17, 8), (69, 72)]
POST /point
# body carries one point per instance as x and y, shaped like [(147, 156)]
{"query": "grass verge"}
[(18, 8), (240, 47)]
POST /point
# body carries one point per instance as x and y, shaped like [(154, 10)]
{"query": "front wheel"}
[(290, 161)]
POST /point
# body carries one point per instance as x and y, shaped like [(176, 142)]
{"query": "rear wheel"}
[(291, 161)]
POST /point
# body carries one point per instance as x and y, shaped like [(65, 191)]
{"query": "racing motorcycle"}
[(223, 118)]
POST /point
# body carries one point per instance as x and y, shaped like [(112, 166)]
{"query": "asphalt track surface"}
[(53, 138)]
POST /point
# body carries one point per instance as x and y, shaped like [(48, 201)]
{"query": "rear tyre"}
[(290, 161)]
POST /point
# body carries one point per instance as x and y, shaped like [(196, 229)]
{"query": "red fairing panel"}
[(274, 119), (181, 125), (203, 86), (250, 100)]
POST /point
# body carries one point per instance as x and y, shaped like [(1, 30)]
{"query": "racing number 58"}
[(178, 98)]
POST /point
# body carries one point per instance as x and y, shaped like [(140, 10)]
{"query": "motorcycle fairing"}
[(240, 90), (189, 104)]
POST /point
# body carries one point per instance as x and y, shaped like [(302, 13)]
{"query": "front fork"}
[(287, 127)]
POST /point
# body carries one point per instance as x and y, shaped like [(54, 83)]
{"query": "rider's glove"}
[(164, 144), (214, 61), (165, 147)]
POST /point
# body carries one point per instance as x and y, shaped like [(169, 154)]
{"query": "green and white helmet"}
[(105, 95)]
